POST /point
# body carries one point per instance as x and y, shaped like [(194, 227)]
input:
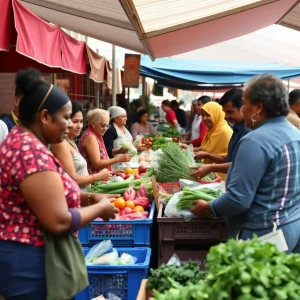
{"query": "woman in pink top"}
[(170, 114), (92, 147), (142, 126)]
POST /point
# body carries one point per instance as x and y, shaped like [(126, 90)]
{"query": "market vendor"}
[(92, 146), (198, 127), (142, 126), (170, 114), (231, 102), (263, 182), (214, 147)]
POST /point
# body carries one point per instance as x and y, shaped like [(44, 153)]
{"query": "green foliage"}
[(246, 270), (160, 278)]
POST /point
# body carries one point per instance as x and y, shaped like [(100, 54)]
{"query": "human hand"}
[(122, 150), (95, 197), (118, 172), (141, 148), (201, 171), (201, 208), (124, 158), (183, 146), (108, 211), (105, 175), (201, 155)]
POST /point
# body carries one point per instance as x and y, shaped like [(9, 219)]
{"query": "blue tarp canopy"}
[(197, 74)]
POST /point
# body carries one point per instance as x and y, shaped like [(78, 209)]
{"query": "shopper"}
[(294, 114), (142, 126), (170, 114), (68, 154), (36, 194), (262, 186), (180, 114), (92, 146), (232, 102)]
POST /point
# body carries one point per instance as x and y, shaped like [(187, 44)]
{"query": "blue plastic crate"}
[(134, 233), (123, 281)]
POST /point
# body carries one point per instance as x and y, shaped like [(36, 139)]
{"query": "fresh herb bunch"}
[(189, 195), (244, 271), (174, 164), (171, 133), (159, 279)]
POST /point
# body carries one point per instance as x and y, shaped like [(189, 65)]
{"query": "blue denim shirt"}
[(263, 183)]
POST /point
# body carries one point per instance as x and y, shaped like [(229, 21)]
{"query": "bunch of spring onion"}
[(189, 195), (174, 164)]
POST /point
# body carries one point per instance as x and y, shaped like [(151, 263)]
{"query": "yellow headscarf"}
[(216, 139)]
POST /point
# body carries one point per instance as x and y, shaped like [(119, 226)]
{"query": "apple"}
[(142, 169)]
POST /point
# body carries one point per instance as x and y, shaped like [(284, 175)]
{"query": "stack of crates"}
[(131, 237), (189, 240)]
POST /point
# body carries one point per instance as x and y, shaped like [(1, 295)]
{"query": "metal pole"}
[(144, 93), (97, 90), (114, 81)]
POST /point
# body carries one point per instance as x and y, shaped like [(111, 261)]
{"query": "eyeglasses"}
[(103, 126)]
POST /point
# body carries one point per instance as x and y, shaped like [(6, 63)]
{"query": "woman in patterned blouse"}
[(35, 192)]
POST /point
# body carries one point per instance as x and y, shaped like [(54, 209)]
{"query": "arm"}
[(63, 153), (204, 170), (174, 123), (217, 159), (245, 177), (202, 132), (51, 207)]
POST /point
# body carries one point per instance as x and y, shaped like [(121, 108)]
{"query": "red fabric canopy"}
[(5, 25)]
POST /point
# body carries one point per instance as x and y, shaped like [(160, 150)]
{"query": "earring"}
[(253, 120)]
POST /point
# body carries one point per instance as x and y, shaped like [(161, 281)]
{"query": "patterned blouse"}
[(22, 155)]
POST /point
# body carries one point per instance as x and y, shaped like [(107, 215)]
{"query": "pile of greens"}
[(243, 271), (174, 164), (159, 279), (171, 133), (189, 195)]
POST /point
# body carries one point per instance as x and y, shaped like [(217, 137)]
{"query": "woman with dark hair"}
[(36, 194), (262, 187), (68, 154), (142, 126), (170, 114)]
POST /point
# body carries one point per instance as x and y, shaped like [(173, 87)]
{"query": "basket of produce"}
[(117, 273), (132, 226)]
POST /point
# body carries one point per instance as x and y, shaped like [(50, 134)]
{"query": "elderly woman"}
[(68, 154), (262, 186), (142, 126), (36, 194), (92, 146), (118, 134)]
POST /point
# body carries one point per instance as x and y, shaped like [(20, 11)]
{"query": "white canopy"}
[(163, 28)]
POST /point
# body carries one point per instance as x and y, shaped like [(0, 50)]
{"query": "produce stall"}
[(152, 182)]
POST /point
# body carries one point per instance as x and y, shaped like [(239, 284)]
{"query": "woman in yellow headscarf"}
[(214, 146)]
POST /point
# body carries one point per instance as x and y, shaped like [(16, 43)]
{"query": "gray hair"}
[(96, 115), (271, 92)]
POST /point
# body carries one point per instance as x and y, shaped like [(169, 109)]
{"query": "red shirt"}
[(22, 155), (202, 132), (170, 116)]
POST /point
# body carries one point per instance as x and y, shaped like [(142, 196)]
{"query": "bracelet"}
[(209, 155), (76, 220), (89, 198)]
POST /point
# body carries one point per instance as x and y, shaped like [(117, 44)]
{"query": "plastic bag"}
[(171, 209), (110, 297), (174, 260), (126, 259), (107, 258), (98, 250)]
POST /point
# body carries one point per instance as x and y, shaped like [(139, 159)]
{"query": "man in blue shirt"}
[(232, 102)]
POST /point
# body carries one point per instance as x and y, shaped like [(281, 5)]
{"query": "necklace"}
[(72, 143)]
